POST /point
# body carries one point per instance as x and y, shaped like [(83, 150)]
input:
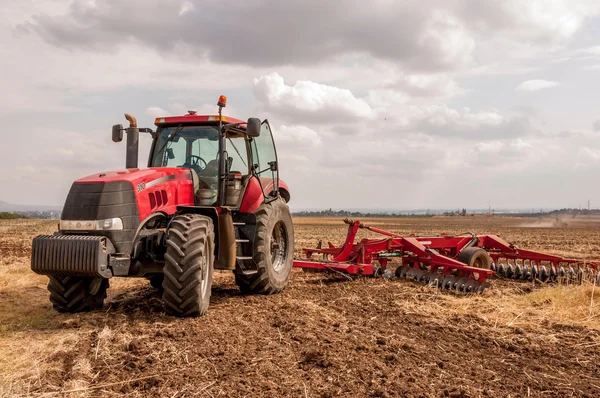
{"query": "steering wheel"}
[(197, 162)]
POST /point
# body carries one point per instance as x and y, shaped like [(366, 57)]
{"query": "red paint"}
[(164, 197), (195, 119), (358, 258), (253, 197), (268, 185)]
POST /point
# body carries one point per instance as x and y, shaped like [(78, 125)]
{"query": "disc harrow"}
[(460, 263)]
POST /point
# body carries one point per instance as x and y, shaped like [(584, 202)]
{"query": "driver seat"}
[(204, 195)]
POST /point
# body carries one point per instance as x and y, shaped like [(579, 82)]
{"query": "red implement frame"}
[(435, 254)]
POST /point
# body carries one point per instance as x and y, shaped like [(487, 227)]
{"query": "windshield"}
[(197, 147)]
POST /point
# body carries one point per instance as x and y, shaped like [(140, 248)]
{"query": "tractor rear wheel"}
[(475, 257), (77, 294), (273, 250), (188, 269)]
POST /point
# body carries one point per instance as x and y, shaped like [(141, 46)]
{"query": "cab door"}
[(264, 161)]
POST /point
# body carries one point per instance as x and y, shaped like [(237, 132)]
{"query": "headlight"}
[(111, 224)]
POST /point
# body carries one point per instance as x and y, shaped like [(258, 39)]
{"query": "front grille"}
[(101, 201), (70, 255)]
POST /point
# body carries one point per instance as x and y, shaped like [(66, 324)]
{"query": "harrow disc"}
[(460, 284), (482, 287), (518, 272), (509, 271), (434, 280), (526, 272), (501, 269), (543, 273), (447, 282), (471, 286), (401, 271), (417, 274)]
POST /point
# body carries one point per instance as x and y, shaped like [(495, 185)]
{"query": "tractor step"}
[(243, 258), (239, 224), (242, 240), (248, 272)]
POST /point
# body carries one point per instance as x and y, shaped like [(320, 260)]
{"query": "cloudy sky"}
[(379, 104)]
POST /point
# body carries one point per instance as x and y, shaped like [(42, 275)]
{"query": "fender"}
[(254, 197), (157, 220), (268, 187), (284, 191)]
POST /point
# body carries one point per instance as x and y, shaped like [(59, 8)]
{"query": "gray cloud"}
[(597, 125), (427, 35), (504, 128), (262, 32)]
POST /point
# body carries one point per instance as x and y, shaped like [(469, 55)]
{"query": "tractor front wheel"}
[(273, 250), (188, 269), (77, 294)]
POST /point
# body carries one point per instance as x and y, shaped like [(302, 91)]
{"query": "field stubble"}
[(323, 336)]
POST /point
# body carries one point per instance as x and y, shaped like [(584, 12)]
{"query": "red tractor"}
[(211, 198)]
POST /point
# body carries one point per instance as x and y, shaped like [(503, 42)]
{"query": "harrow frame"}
[(434, 259)]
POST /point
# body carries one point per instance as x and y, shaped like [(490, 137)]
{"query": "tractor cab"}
[(193, 142)]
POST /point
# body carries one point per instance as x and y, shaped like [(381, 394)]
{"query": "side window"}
[(263, 150), (263, 155), (238, 153)]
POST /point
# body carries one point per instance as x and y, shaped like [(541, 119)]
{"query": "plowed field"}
[(323, 336)]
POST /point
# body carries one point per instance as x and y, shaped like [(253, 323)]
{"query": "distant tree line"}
[(10, 216), (53, 215), (346, 213)]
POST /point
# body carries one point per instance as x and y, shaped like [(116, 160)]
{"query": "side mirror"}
[(117, 133), (253, 127), (170, 153)]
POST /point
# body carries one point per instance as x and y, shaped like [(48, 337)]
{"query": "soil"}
[(324, 336)]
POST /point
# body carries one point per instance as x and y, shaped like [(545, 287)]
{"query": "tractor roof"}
[(193, 118)]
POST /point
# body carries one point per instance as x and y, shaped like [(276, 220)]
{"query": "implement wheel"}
[(273, 250), (475, 257), (188, 270), (76, 294)]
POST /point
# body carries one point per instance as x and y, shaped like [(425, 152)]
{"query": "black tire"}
[(77, 294), (475, 257), (274, 229), (189, 261)]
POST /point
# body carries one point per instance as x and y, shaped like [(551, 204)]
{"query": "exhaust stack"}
[(133, 141)]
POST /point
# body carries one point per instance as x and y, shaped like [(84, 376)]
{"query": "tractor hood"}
[(127, 197), (154, 189)]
